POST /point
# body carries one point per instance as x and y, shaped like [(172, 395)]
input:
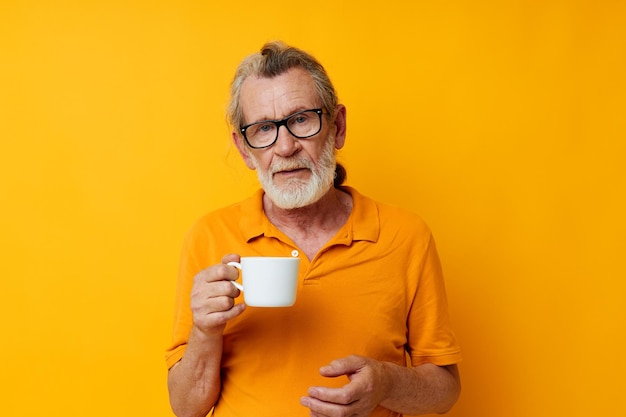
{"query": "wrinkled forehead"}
[(273, 98)]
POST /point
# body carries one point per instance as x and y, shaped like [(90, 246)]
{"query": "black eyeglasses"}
[(302, 125)]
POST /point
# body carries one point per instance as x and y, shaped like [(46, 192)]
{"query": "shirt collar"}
[(363, 223)]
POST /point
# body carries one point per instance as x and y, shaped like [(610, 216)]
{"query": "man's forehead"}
[(265, 98)]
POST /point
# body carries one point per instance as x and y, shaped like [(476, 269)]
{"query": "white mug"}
[(268, 281)]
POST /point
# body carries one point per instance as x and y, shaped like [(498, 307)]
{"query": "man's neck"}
[(312, 226)]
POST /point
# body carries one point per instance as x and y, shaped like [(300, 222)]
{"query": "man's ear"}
[(244, 151), (340, 126)]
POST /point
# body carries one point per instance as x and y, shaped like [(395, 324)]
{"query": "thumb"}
[(344, 366), (231, 257)]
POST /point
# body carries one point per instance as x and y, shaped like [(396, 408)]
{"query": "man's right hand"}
[(213, 296)]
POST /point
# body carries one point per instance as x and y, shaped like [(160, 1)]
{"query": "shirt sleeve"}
[(189, 266), (431, 338)]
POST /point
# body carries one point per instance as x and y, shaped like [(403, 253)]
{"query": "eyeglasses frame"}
[(278, 124)]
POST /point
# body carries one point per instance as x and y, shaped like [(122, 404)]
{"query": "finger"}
[(212, 297), (231, 257), (219, 272), (220, 318), (226, 288), (214, 305), (234, 311), (204, 293), (324, 408), (339, 396), (344, 366), (219, 303)]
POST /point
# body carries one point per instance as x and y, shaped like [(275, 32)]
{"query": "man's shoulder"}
[(389, 213), (226, 219), (233, 212), (224, 213)]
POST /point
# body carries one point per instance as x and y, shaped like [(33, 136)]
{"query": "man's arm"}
[(419, 390), (194, 382), (431, 389)]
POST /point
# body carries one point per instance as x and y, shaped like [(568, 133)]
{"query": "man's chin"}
[(290, 198), (294, 193)]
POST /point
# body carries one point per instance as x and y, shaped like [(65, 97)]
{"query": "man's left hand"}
[(359, 397)]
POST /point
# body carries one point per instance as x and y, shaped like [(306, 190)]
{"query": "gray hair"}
[(276, 58)]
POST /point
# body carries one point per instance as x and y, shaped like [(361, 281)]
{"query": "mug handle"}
[(236, 284)]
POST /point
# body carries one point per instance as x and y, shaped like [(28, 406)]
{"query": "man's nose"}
[(286, 143)]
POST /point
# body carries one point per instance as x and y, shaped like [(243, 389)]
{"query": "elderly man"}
[(369, 334)]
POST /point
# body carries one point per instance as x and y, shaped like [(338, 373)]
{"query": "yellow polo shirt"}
[(375, 289)]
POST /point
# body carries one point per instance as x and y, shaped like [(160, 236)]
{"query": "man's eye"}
[(264, 128)]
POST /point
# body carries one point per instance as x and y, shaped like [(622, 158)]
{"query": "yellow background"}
[(501, 122)]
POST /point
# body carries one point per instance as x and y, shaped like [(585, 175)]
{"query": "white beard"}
[(297, 193)]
